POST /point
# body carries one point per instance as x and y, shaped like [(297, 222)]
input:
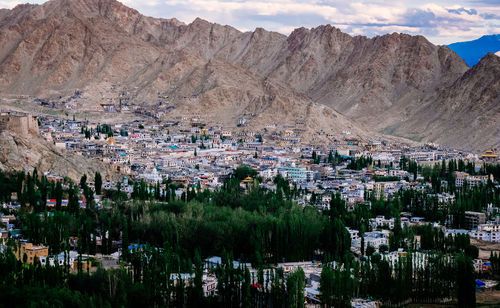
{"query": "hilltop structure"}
[(18, 122)]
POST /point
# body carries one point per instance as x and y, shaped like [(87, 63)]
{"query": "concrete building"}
[(471, 180), (32, 252), (487, 232), (374, 239), (294, 173), (381, 221), (354, 234), (474, 219)]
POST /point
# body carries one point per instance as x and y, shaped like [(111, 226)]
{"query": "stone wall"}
[(21, 123)]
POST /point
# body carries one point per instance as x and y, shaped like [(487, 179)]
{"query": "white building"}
[(487, 232), (374, 239), (354, 234), (59, 260), (381, 221)]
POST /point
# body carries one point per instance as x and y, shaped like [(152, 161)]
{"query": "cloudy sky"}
[(441, 21)]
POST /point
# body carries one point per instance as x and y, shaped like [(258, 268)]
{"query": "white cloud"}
[(8, 4)]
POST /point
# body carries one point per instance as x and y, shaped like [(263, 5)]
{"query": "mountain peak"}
[(200, 21), (489, 59)]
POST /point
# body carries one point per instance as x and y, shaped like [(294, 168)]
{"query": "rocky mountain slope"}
[(45, 157), (469, 109), (320, 76)]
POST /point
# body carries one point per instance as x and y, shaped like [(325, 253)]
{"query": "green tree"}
[(83, 181), (98, 183), (295, 283), (466, 292), (58, 194), (125, 239), (370, 250), (73, 205)]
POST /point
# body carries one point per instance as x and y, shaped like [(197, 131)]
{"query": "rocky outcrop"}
[(45, 157)]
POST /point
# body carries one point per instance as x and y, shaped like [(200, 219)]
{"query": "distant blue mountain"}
[(473, 51)]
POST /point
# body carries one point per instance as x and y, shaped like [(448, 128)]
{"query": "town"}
[(249, 154), (392, 200)]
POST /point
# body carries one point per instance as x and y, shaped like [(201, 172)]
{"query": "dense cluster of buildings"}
[(189, 153)]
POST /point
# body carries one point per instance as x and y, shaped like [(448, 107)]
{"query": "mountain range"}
[(473, 51), (329, 81)]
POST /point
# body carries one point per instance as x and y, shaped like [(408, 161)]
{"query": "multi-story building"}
[(476, 180), (374, 239), (474, 219), (354, 234), (487, 232), (294, 173), (460, 178), (381, 221), (472, 180), (32, 252)]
